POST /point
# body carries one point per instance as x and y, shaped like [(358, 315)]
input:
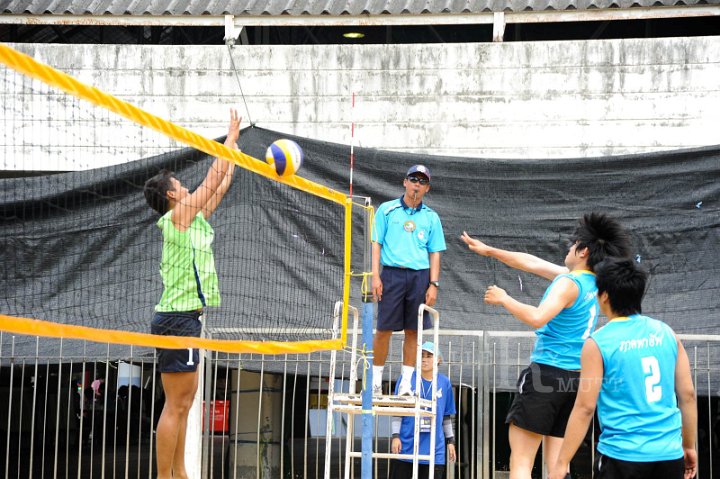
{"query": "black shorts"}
[(403, 470), (545, 397), (177, 324), (403, 293), (609, 468)]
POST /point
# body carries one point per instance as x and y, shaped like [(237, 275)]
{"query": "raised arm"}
[(562, 295), (187, 208), (591, 377), (522, 261), (214, 202), (685, 393)]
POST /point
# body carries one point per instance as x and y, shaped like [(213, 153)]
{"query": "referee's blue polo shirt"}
[(407, 234)]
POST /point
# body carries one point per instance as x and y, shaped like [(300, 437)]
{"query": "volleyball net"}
[(81, 250)]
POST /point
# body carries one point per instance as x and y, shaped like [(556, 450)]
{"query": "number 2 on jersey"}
[(653, 390)]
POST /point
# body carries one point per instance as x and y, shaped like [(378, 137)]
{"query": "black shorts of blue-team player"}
[(545, 397), (177, 324), (403, 292), (609, 468)]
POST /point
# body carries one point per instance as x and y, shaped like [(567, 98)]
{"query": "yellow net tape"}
[(34, 327), (46, 74)]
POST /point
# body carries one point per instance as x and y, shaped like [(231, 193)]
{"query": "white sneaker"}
[(405, 389), (377, 390)]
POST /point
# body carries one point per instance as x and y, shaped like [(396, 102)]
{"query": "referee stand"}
[(386, 405)]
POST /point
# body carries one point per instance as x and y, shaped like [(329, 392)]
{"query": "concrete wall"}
[(511, 100)]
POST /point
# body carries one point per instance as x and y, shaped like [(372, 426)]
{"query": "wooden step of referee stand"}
[(386, 405)]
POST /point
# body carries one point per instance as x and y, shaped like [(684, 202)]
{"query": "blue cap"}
[(429, 346), (419, 169)]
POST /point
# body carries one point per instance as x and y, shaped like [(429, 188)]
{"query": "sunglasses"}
[(415, 179)]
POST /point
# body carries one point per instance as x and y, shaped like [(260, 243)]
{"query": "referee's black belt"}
[(404, 268)]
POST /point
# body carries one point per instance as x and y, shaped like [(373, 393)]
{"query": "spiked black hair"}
[(602, 236)]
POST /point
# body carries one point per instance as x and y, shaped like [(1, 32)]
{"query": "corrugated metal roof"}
[(317, 7)]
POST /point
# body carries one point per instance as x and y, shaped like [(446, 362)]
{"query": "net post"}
[(368, 423), (205, 395), (194, 433)]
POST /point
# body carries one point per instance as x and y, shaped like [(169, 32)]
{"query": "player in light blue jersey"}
[(565, 317), (638, 374)]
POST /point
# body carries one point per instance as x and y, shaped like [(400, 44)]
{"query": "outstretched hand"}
[(475, 245), (495, 295), (233, 128)]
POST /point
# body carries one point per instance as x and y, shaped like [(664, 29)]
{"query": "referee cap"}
[(419, 169)]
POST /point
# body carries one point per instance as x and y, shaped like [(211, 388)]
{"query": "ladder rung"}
[(382, 411), (396, 401), (388, 455)]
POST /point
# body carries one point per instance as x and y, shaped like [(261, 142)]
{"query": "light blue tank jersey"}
[(407, 235), (637, 406), (560, 341)]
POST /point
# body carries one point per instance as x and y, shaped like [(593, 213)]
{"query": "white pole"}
[(193, 435)]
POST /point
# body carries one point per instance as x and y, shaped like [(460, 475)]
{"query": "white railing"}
[(53, 424)]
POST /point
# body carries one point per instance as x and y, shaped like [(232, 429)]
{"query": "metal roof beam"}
[(545, 16), (232, 31), (498, 26), (114, 20)]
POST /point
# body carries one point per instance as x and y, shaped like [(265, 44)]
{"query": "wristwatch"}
[(435, 283)]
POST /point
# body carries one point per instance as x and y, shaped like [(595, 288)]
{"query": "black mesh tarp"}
[(669, 201)]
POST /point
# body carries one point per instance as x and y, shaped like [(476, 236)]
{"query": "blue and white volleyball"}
[(285, 156)]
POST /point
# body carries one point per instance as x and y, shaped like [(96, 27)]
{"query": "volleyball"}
[(285, 156)]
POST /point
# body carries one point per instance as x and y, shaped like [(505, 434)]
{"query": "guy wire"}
[(237, 77)]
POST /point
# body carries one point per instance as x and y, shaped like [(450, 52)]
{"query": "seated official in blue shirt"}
[(403, 429)]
